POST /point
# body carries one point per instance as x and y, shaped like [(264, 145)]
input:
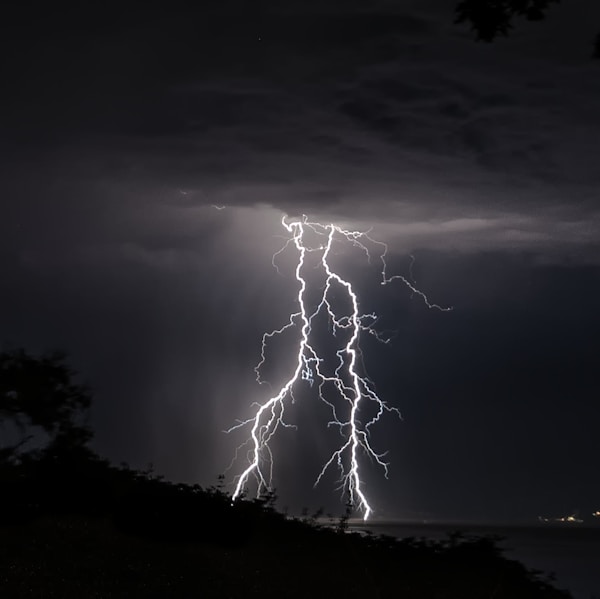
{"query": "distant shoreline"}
[(359, 523)]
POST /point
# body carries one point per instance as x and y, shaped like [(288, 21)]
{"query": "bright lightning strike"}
[(355, 390)]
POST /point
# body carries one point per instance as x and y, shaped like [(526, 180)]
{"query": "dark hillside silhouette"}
[(74, 526)]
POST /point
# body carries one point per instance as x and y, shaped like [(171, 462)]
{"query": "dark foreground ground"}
[(72, 556), (122, 534)]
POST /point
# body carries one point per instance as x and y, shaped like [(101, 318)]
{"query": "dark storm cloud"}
[(122, 128), (321, 114)]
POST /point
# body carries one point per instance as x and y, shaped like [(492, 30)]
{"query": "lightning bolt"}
[(354, 389)]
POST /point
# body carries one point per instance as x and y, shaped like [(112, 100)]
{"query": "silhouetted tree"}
[(38, 394), (490, 18), (596, 53)]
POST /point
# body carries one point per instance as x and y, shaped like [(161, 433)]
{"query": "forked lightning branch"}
[(356, 406)]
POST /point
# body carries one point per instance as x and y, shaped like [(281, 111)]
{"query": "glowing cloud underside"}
[(354, 389)]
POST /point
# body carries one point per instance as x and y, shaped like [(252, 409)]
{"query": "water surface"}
[(569, 552)]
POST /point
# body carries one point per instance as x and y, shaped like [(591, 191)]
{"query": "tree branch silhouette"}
[(39, 397)]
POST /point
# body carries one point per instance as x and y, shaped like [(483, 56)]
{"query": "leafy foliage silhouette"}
[(491, 18), (38, 396), (596, 52)]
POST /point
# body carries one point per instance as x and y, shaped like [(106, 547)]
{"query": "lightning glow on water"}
[(356, 407)]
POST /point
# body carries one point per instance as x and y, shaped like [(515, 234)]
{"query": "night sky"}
[(120, 129)]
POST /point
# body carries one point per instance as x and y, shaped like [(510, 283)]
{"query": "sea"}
[(570, 553)]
